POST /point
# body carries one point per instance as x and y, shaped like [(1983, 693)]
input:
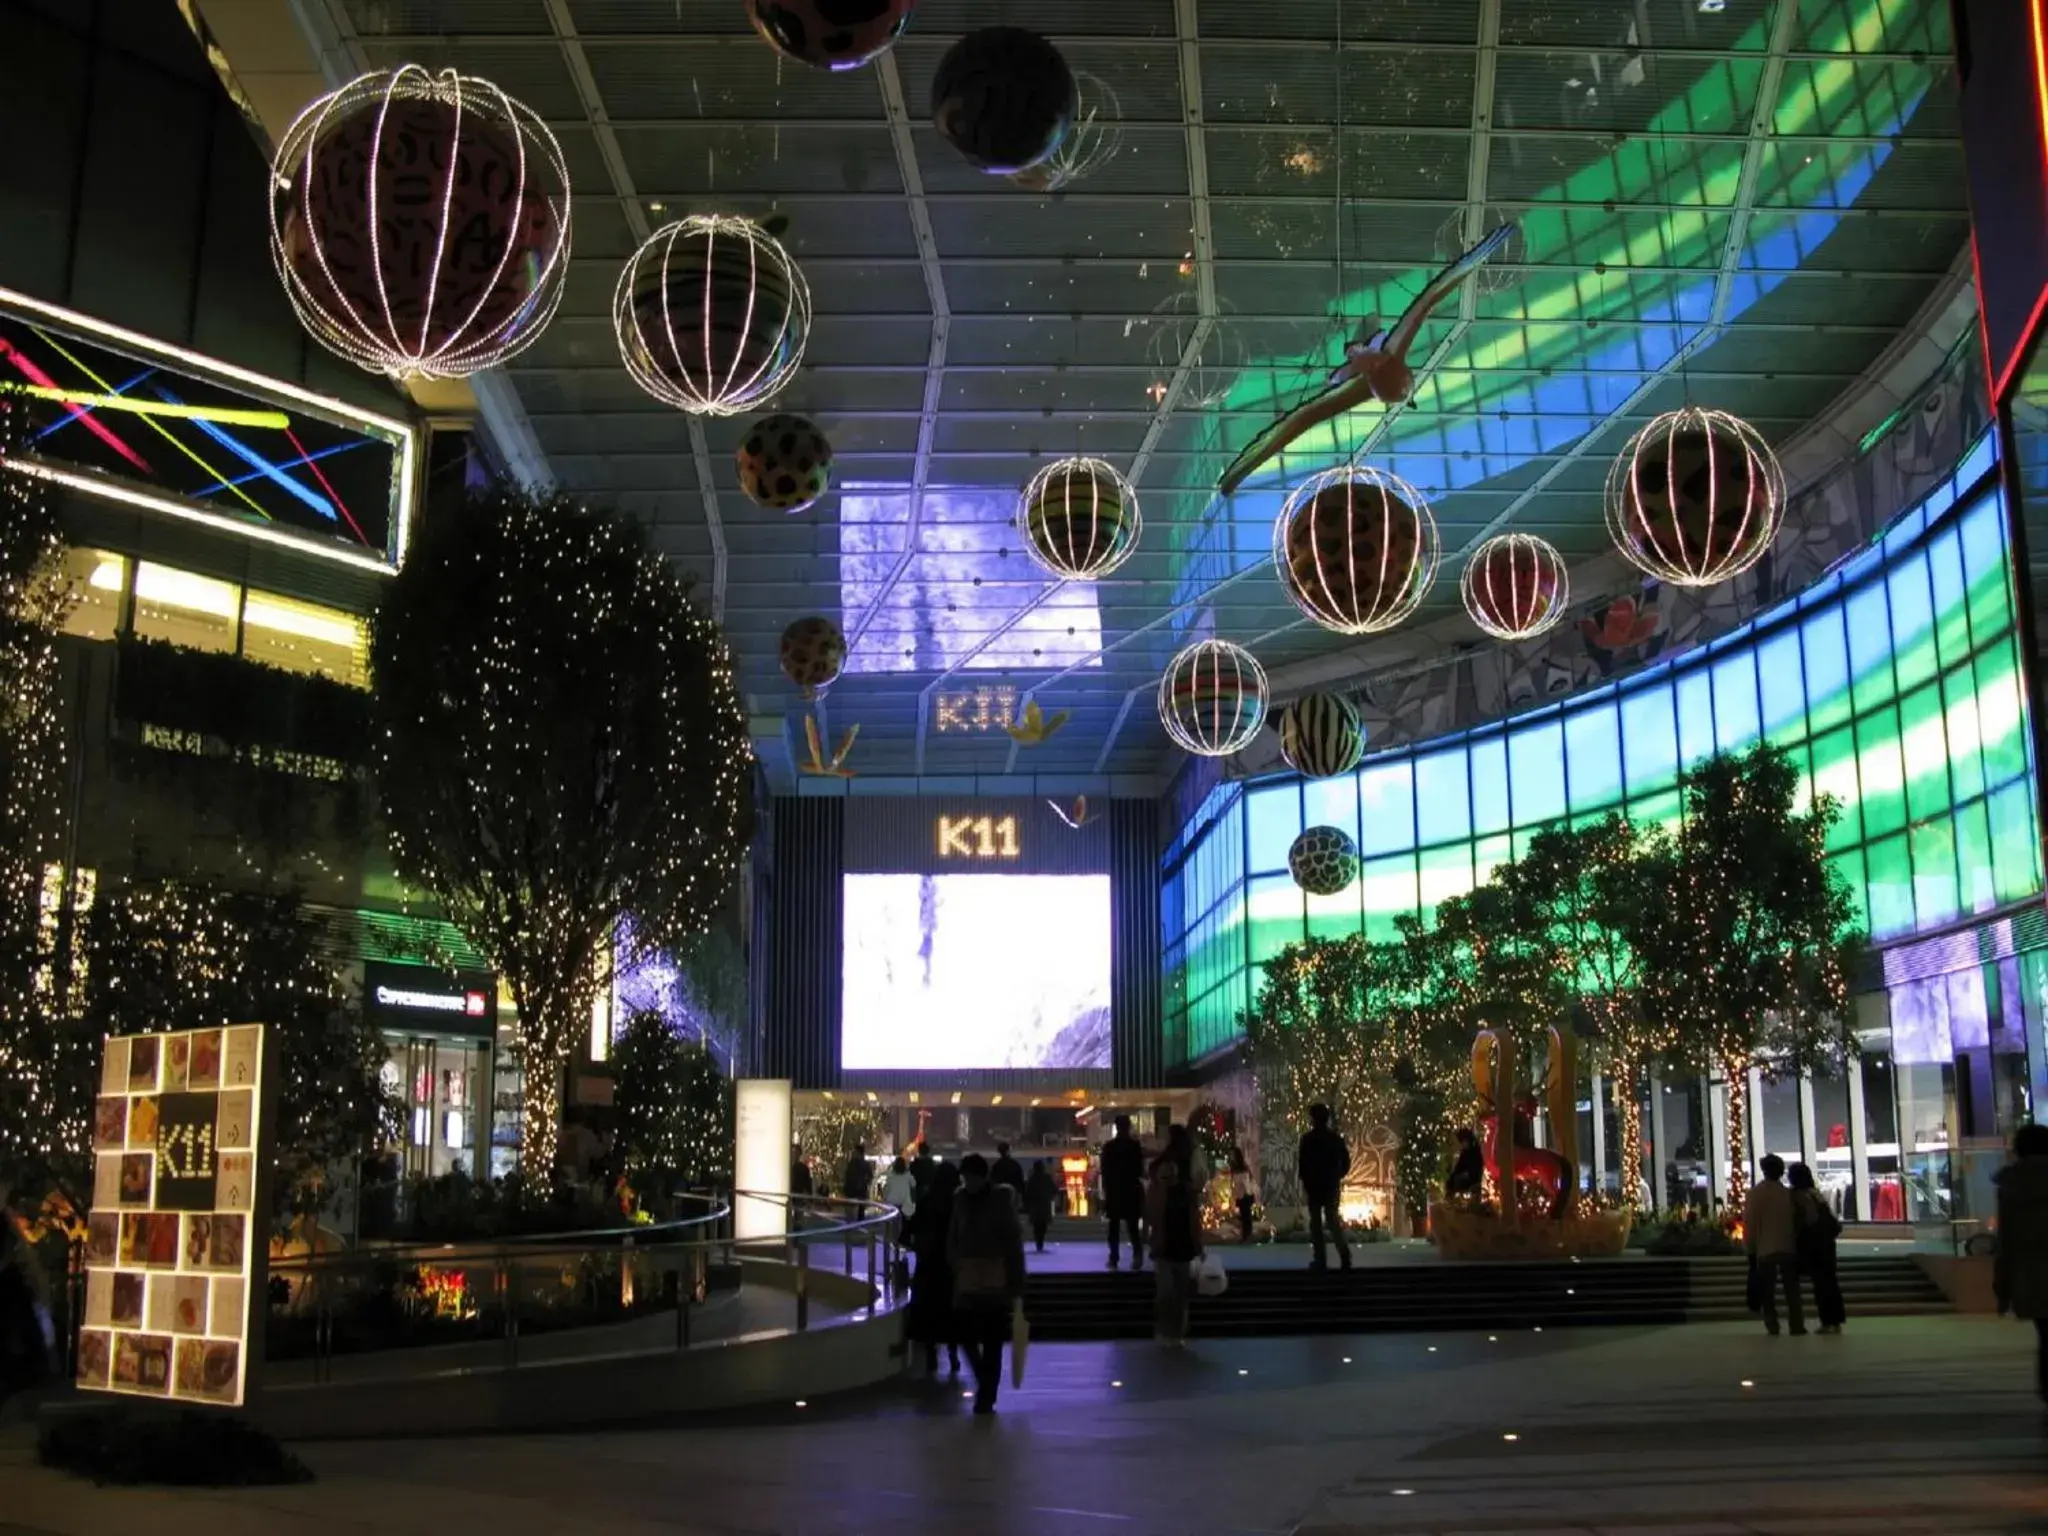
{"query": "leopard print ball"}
[(813, 651), (785, 464)]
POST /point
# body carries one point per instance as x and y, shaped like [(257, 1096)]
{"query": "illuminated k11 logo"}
[(978, 837), (974, 710)]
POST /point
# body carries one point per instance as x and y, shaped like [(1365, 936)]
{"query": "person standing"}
[(922, 1167), (1007, 1171), (1468, 1173), (860, 1173), (1123, 1189), (1174, 1221), (985, 1246), (2019, 1276), (1039, 1194), (1321, 1162), (898, 1187), (931, 1321), (1242, 1193), (1770, 1231), (1819, 1228)]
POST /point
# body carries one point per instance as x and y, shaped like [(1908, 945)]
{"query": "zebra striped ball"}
[(1320, 736), (712, 316)]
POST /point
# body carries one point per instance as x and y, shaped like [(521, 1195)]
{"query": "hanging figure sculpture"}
[(1374, 368)]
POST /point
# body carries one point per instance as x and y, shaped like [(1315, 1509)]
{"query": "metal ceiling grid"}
[(1783, 173)]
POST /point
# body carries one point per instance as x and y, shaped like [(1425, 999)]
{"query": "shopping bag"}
[(1211, 1279), (1020, 1341)]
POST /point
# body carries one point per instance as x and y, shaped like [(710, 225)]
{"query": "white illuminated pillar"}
[(761, 1155)]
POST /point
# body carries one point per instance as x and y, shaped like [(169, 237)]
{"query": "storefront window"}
[(1683, 1155), (97, 579), (438, 1083), (1777, 1121), (186, 609), (305, 637), (1881, 1132), (1834, 1168)]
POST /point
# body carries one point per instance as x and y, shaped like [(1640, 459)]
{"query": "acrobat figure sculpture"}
[(1552, 1170), (1374, 368)]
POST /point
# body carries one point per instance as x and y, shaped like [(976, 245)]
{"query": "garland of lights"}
[(1079, 519), (1356, 549), (1212, 699), (420, 222), (711, 315), (1696, 498), (1515, 586)]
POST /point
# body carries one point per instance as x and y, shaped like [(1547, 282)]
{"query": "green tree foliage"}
[(673, 1107), (826, 1139), (1744, 932), (559, 746)]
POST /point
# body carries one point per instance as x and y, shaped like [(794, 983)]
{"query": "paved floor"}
[(1076, 1256), (1907, 1425)]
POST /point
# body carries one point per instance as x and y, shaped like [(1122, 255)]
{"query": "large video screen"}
[(975, 971)]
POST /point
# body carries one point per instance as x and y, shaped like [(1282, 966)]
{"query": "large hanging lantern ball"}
[(1079, 518), (420, 222), (1515, 586), (1212, 699), (1695, 498), (1356, 549), (712, 315), (785, 463), (813, 651), (830, 34), (1320, 736), (1004, 98), (1323, 860)]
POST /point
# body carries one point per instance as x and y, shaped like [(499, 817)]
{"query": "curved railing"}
[(391, 1297)]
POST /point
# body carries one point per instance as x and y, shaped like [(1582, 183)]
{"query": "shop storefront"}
[(441, 1029)]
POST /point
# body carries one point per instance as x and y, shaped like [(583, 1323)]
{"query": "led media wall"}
[(1893, 680)]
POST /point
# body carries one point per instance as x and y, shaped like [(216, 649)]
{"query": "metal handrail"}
[(677, 1255)]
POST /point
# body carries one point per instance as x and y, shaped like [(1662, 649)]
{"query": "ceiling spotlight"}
[(1713, 7)]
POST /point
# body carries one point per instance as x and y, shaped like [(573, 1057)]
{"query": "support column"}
[(1859, 1146), (1599, 1137), (1717, 1138), (1809, 1129), (1660, 1146)]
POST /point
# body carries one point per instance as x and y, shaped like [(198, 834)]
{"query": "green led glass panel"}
[(1896, 689)]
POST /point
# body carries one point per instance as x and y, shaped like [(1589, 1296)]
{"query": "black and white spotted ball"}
[(785, 463), (1320, 736), (1323, 860)]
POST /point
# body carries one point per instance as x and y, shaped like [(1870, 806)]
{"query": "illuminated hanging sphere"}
[(1004, 98), (1356, 549), (1079, 518), (785, 463), (1212, 699), (1695, 498), (712, 315), (1320, 736), (420, 222), (830, 34), (1093, 141), (1515, 586), (1323, 860), (813, 651)]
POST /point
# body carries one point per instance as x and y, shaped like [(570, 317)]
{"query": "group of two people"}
[(1160, 1204), (1789, 1230), (965, 1229)]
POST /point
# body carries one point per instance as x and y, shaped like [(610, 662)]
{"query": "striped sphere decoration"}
[(1212, 699), (420, 222), (1356, 549), (1515, 586), (1320, 736), (1079, 518), (711, 315), (1696, 498)]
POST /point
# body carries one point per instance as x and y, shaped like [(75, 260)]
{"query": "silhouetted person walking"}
[(931, 1287), (1321, 1163), (1123, 1189), (1243, 1193), (1770, 1231), (1007, 1170), (1174, 1218), (922, 1167), (986, 1249), (1819, 1227), (1039, 1195), (2020, 1275), (860, 1173)]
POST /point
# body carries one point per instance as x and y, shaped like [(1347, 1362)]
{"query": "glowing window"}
[(185, 609), (97, 578), (305, 637)]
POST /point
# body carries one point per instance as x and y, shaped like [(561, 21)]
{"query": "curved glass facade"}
[(1894, 681)]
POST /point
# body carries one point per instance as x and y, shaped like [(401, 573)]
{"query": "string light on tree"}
[(420, 222), (1212, 699), (1696, 498), (1515, 586), (1356, 549)]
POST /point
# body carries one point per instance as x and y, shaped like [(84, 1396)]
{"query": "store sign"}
[(424, 999), (175, 1242)]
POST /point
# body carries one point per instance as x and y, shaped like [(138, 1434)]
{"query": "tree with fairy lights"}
[(1579, 889), (40, 1047), (673, 1107), (1744, 934), (558, 746)]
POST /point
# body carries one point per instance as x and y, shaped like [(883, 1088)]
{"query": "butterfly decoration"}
[(817, 766), (1374, 367), (1037, 727), (1076, 816)]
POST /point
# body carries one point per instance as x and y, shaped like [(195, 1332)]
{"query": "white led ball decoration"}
[(1515, 586), (712, 315), (1696, 497), (1079, 518), (420, 222), (1212, 700), (1356, 549)]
